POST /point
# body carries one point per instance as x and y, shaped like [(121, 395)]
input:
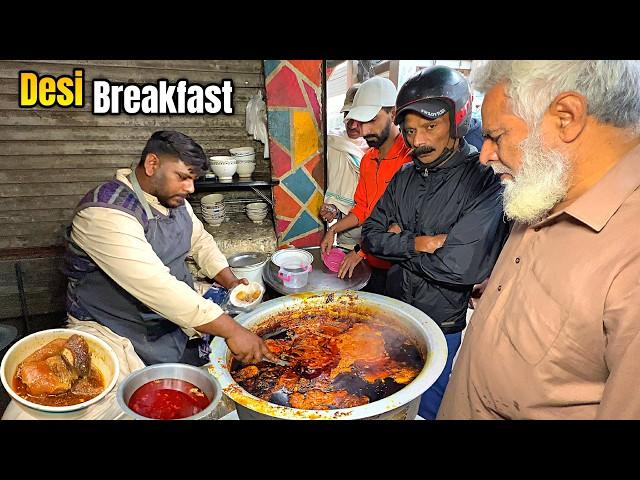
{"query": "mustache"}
[(499, 168), (423, 150)]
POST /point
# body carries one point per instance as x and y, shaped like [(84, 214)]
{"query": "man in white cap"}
[(344, 152), (372, 114)]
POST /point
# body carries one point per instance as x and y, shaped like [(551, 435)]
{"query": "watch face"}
[(356, 248)]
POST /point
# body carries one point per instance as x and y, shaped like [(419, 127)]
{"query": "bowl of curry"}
[(59, 371), (345, 355)]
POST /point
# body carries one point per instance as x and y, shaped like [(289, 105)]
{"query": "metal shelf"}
[(259, 180)]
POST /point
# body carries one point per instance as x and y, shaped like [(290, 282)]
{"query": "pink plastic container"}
[(334, 258)]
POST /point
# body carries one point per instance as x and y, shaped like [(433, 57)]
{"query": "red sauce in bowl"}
[(168, 399)]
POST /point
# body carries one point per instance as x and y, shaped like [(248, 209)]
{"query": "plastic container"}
[(289, 256), (334, 258), (294, 275)]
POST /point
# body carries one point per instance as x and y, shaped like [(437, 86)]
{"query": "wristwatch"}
[(358, 249)]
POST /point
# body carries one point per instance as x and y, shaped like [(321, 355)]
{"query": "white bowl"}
[(253, 287), (242, 151), (224, 167), (214, 218), (213, 208), (215, 223), (222, 159), (211, 199), (245, 169), (257, 206), (245, 158), (257, 217), (102, 357)]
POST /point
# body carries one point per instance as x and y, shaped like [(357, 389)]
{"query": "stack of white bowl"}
[(213, 210), (257, 211), (224, 167), (246, 160)]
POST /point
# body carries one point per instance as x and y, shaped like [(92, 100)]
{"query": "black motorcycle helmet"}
[(430, 85)]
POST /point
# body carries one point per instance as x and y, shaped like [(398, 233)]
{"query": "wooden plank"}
[(45, 162), (45, 278), (79, 118), (51, 162), (121, 147), (242, 66), (141, 134), (32, 290), (38, 228), (46, 189), (10, 69), (35, 271), (38, 202), (10, 86), (10, 102), (46, 302), (33, 216), (56, 175), (28, 241), (30, 254)]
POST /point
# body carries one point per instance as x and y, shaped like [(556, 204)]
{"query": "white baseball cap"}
[(375, 93)]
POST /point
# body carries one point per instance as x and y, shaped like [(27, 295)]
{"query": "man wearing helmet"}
[(440, 219)]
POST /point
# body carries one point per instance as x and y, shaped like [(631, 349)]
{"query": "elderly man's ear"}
[(570, 112)]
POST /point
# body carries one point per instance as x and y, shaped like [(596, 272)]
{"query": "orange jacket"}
[(374, 177)]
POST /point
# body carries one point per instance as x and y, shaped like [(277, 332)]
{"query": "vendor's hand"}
[(327, 241), (237, 282), (428, 243), (247, 347), (349, 262), (394, 228), (328, 212)]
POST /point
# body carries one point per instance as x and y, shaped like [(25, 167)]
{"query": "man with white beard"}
[(556, 334)]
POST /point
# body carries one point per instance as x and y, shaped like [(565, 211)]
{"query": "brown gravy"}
[(95, 379)]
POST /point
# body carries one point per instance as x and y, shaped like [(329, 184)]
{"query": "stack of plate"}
[(257, 211), (213, 210)]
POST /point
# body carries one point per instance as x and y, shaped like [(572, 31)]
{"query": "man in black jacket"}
[(440, 219)]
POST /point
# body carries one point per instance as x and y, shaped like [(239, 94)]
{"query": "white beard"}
[(540, 184)]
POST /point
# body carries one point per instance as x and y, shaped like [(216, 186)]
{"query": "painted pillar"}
[(294, 114)]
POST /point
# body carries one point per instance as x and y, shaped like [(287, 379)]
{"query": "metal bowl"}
[(179, 371), (401, 405)]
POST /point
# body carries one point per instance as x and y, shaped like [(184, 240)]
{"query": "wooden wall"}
[(50, 157)]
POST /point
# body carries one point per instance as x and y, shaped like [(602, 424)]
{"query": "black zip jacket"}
[(462, 198)]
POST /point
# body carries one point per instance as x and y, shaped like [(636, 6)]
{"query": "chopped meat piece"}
[(76, 353), (52, 369), (318, 400), (245, 373)]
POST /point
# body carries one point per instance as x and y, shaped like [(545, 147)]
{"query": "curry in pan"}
[(338, 356)]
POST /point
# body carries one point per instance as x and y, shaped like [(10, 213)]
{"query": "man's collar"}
[(598, 204), (122, 174)]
